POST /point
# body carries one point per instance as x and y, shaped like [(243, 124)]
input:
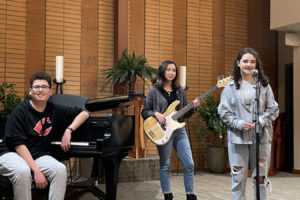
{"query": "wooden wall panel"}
[(12, 43), (35, 37), (105, 43), (236, 30), (54, 36), (199, 48), (158, 31), (218, 39), (199, 65), (136, 34), (89, 49), (72, 24), (63, 31)]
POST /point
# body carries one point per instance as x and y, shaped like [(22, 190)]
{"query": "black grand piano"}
[(107, 138)]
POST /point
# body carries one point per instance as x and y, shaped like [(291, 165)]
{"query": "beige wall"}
[(285, 17), (284, 13), (285, 56), (296, 108)]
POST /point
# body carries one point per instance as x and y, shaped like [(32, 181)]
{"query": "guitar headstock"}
[(223, 81)]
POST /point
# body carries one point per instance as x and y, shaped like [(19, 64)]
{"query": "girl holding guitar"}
[(166, 90)]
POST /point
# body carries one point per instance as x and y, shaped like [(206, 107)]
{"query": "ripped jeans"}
[(239, 157)]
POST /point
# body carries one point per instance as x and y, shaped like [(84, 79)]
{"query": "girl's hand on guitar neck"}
[(196, 103), (160, 118)]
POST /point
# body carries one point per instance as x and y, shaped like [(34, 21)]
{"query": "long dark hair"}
[(263, 79), (160, 79)]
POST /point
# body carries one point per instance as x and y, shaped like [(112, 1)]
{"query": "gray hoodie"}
[(234, 113)]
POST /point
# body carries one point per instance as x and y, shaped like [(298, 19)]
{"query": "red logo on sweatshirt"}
[(43, 127)]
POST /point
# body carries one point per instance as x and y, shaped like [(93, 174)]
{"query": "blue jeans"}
[(183, 149), (239, 156)]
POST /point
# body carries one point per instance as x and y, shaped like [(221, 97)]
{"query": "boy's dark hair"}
[(40, 76)]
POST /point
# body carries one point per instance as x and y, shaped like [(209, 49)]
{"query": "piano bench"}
[(6, 190)]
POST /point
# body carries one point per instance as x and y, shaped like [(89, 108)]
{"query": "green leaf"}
[(208, 112), (128, 67), (8, 97)]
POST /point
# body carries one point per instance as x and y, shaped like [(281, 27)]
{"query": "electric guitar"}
[(161, 134)]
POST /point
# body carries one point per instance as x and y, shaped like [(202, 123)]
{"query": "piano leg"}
[(112, 166), (95, 175)]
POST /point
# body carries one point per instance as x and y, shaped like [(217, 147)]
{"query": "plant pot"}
[(216, 159), (131, 87)]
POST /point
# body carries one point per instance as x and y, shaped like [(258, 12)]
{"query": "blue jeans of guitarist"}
[(182, 147)]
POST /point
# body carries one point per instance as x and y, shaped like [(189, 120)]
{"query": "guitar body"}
[(158, 134)]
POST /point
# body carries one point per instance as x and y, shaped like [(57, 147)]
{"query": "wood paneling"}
[(106, 43), (89, 48), (54, 31), (218, 39), (12, 43), (236, 30), (199, 65), (35, 37), (136, 34), (63, 38), (179, 33)]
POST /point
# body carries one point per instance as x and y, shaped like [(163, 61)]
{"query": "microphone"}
[(255, 73)]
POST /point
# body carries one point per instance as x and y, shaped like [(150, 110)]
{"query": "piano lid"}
[(105, 103), (69, 100)]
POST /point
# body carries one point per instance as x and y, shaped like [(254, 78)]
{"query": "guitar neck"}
[(189, 106)]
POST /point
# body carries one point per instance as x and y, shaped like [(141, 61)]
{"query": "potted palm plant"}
[(127, 69), (8, 101), (216, 154)]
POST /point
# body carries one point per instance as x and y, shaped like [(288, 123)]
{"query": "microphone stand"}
[(257, 135)]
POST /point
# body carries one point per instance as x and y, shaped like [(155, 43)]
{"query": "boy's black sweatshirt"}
[(36, 129)]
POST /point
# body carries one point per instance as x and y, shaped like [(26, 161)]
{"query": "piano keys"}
[(72, 143)]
